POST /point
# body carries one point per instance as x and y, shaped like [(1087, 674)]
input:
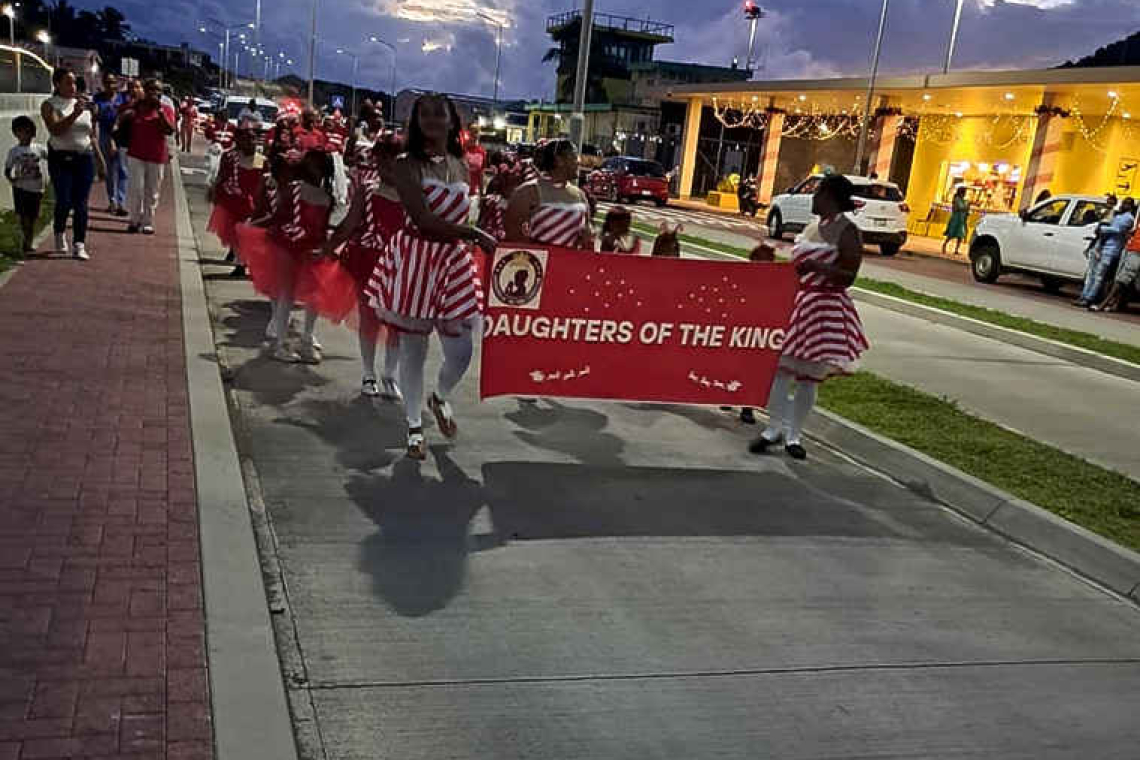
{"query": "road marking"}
[(690, 216)]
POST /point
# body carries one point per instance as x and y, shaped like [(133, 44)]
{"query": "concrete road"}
[(578, 580)]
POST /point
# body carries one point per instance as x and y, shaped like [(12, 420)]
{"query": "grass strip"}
[(1103, 501), (1076, 338), (12, 240)]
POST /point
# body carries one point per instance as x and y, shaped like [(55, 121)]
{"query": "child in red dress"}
[(375, 215), (234, 190), (282, 260)]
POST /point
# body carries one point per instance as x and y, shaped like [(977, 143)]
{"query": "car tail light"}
[(904, 208)]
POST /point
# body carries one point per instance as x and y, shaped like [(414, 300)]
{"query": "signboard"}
[(1126, 172), (129, 67), (566, 323), (338, 102)]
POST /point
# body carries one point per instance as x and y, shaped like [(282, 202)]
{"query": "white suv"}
[(1049, 240), (880, 213)]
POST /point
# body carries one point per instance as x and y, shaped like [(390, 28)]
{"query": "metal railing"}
[(615, 23), (22, 71)]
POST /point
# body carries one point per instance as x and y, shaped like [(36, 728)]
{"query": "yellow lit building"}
[(1007, 136)]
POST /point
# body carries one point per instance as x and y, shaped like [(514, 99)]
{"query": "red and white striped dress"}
[(419, 284), (558, 223), (493, 216), (825, 336)]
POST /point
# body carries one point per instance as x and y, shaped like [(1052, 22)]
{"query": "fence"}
[(22, 71)]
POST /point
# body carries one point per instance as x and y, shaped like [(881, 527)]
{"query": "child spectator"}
[(616, 234), (24, 168)]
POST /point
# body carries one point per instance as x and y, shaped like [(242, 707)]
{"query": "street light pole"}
[(312, 52), (10, 12), (355, 68), (392, 89), (871, 89), (578, 117), (257, 28), (753, 13), (953, 37)]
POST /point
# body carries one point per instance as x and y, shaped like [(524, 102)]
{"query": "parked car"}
[(625, 179), (589, 159), (1048, 239), (880, 211), (267, 109)]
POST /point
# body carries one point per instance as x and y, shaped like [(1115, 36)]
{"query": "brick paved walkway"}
[(101, 630)]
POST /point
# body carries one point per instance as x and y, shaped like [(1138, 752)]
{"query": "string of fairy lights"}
[(1004, 129)]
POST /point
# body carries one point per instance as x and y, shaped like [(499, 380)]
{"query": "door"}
[(1033, 238), (1075, 235), (798, 207)]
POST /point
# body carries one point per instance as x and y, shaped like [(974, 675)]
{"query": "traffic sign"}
[(338, 102)]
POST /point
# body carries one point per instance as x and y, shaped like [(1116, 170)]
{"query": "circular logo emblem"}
[(517, 278)]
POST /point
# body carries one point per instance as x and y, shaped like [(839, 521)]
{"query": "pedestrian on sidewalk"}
[(24, 168), (825, 335), (375, 216), (234, 191), (283, 261), (73, 159), (959, 216), (1111, 237), (151, 124), (108, 103), (426, 280), (188, 119), (1127, 275)]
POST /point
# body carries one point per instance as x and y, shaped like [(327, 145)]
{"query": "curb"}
[(11, 271), (1020, 521), (251, 716), (1080, 356)]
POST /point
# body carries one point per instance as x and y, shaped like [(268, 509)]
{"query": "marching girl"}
[(220, 135), (507, 175), (617, 237), (426, 279), (281, 260), (336, 140), (373, 218), (550, 210), (825, 336), (234, 191)]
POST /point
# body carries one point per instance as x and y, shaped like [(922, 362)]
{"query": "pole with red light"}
[(753, 13)]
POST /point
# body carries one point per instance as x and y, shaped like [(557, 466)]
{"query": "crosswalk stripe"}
[(678, 216)]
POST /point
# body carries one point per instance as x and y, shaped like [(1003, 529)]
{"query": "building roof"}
[(727, 73), (641, 28), (964, 92)]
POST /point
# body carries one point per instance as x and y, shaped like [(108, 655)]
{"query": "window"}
[(639, 168), (1050, 213), (1088, 212), (808, 187), (878, 192)]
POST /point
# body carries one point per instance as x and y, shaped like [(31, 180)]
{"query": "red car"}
[(625, 179)]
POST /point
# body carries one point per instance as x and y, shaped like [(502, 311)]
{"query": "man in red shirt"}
[(476, 158), (151, 123), (307, 136)]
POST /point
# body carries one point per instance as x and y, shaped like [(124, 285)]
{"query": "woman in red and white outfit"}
[(550, 210), (374, 217), (426, 280), (187, 121), (506, 176), (282, 261), (336, 140), (234, 191), (825, 336)]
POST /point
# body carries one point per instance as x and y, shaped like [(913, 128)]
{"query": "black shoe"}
[(133, 229), (761, 445), (747, 416), (239, 271), (230, 257), (796, 451)]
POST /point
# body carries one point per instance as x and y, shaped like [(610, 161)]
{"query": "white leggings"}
[(785, 422), (368, 356), (457, 351), (282, 308)]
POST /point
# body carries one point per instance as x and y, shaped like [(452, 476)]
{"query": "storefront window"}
[(989, 187)]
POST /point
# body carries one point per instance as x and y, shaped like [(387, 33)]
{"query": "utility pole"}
[(312, 53), (871, 89), (578, 117), (953, 37), (753, 13)]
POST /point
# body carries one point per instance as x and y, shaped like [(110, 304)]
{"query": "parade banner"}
[(572, 324)]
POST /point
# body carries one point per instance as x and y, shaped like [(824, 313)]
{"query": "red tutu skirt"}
[(223, 223), (360, 261), (320, 284)]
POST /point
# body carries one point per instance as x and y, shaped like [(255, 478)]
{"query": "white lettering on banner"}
[(580, 330)]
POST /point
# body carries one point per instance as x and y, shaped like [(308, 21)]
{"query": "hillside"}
[(1125, 52)]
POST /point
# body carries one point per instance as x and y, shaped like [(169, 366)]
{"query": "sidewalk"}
[(102, 647)]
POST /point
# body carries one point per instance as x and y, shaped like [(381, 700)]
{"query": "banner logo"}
[(517, 278)]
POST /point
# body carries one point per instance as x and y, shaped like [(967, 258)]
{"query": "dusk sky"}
[(444, 45)]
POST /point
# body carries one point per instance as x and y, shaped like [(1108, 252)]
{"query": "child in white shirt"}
[(24, 168)]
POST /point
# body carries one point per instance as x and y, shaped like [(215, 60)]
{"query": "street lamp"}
[(498, 55), (392, 89), (312, 52), (859, 151), (43, 37), (226, 41), (753, 13), (355, 66), (10, 11), (953, 37)]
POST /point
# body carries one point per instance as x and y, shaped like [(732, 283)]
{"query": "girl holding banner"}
[(426, 279), (549, 210), (825, 336)]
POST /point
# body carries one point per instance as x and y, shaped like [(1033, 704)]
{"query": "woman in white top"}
[(73, 158)]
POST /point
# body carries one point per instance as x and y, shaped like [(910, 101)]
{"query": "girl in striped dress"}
[(825, 336), (550, 210), (373, 218), (234, 190), (426, 280), (507, 175), (336, 139)]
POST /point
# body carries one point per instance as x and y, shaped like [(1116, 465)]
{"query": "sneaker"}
[(285, 354), (417, 444), (132, 229), (443, 416), (80, 252), (310, 353), (316, 343), (147, 229), (391, 391), (369, 388), (60, 242), (271, 330), (796, 451)]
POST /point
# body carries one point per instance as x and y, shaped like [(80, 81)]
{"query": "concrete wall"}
[(12, 106)]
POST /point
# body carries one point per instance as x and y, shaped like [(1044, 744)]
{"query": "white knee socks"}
[(801, 407), (282, 308), (457, 351), (367, 354), (413, 355), (391, 356), (778, 407), (310, 324)]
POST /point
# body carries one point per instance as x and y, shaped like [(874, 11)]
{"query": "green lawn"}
[(10, 237), (1091, 496)]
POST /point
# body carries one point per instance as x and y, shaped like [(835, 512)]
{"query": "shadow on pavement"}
[(272, 383), (569, 430), (366, 434)]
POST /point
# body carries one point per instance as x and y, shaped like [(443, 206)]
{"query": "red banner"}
[(572, 324)]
